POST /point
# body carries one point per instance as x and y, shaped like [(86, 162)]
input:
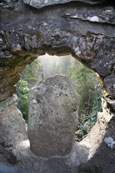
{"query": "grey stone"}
[(105, 15), (52, 118), (8, 169), (89, 152), (42, 3), (85, 31), (58, 30), (12, 125), (10, 101)]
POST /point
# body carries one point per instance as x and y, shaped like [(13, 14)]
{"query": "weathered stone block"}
[(52, 117)]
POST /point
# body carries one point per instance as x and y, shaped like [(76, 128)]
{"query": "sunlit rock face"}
[(42, 3), (52, 117)]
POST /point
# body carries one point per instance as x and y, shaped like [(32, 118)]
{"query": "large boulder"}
[(52, 117)]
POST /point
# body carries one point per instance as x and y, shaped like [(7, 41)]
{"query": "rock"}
[(12, 125), (109, 142), (52, 117), (85, 31), (103, 159), (42, 3), (90, 154), (59, 30), (8, 169)]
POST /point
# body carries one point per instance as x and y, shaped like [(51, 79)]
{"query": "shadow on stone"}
[(103, 161)]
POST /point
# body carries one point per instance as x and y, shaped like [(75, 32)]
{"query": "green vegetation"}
[(23, 98), (30, 74), (86, 83), (89, 89), (28, 79)]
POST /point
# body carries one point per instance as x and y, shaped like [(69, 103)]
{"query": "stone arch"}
[(84, 31), (59, 30)]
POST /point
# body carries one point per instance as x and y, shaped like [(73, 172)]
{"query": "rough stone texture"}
[(90, 155), (103, 159), (12, 125), (57, 30), (43, 3), (52, 117), (85, 31)]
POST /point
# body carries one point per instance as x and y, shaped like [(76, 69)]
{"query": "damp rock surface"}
[(52, 117)]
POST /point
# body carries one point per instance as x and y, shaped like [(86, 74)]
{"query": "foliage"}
[(23, 98), (87, 86), (28, 79), (89, 90), (30, 73)]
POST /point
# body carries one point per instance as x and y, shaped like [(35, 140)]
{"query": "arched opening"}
[(87, 33), (89, 144), (84, 81)]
